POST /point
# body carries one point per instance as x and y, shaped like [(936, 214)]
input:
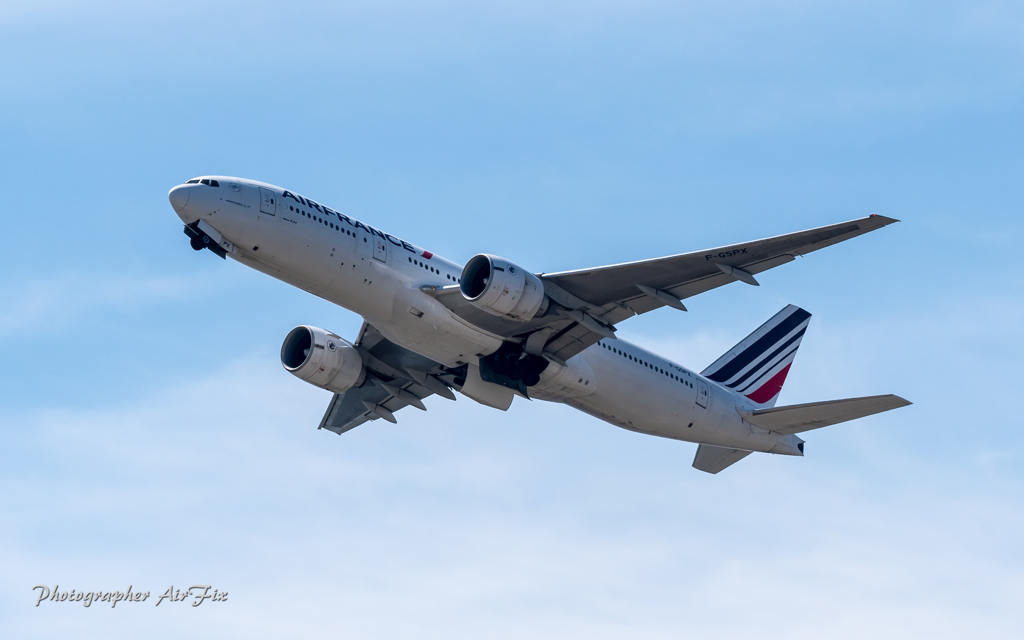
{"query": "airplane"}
[(493, 330)]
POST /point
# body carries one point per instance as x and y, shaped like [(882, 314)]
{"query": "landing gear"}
[(199, 240), (511, 367)]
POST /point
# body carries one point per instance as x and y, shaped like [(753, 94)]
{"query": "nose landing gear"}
[(200, 240), (199, 243)]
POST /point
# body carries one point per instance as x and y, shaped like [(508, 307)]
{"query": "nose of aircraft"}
[(179, 197)]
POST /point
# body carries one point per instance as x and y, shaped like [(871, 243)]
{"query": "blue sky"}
[(151, 438)]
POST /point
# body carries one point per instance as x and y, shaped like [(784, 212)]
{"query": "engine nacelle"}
[(323, 359), (502, 288)]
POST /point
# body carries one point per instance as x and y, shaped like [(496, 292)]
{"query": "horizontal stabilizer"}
[(815, 415), (714, 459)]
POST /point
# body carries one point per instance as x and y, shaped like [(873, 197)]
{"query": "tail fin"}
[(757, 367)]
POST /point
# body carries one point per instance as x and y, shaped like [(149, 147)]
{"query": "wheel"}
[(197, 243)]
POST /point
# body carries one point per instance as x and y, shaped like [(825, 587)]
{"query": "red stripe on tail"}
[(770, 389)]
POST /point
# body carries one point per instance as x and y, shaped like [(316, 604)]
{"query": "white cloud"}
[(464, 521)]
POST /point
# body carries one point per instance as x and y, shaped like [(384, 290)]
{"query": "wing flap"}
[(815, 415), (346, 411), (388, 383)]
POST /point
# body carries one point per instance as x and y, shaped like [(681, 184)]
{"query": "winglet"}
[(885, 220)]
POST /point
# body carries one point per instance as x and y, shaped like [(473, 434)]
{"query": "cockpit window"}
[(193, 181), (209, 183), (214, 183)]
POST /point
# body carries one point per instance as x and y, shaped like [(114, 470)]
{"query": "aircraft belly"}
[(266, 243), (620, 395), (249, 259), (647, 402), (422, 324), (367, 287), (447, 349), (559, 382)]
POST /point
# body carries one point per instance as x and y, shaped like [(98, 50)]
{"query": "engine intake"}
[(503, 289), (323, 359)]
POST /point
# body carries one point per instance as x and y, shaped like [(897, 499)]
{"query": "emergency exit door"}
[(380, 248), (702, 393), (268, 204)]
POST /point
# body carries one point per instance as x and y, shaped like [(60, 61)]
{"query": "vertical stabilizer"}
[(757, 367)]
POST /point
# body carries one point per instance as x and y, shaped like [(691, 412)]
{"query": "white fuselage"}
[(379, 276)]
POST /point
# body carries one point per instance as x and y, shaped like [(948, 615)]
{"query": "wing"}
[(395, 378), (347, 411), (688, 274), (590, 302)]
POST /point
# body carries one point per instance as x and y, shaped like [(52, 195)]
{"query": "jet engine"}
[(323, 359), (502, 288)]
